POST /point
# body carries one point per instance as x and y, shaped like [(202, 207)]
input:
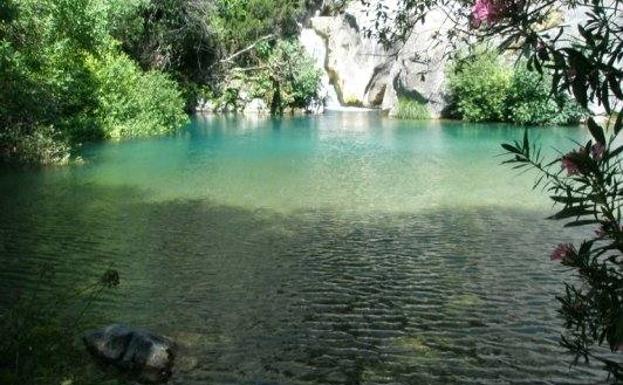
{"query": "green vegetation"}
[(223, 50), (289, 79), (40, 343), (411, 109), (479, 85), (484, 88), (530, 101), (64, 82), (284, 78), (132, 102), (75, 71)]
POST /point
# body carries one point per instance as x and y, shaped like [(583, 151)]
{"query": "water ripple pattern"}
[(344, 249)]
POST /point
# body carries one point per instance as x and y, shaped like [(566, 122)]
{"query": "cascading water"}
[(315, 46)]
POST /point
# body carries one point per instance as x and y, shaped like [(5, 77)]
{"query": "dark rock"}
[(136, 352)]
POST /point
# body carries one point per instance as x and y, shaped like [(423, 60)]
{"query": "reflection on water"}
[(343, 249), (357, 162)]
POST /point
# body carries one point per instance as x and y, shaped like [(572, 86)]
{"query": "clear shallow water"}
[(343, 249)]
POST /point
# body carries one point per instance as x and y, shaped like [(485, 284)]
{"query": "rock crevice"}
[(366, 74)]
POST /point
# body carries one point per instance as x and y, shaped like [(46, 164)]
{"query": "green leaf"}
[(605, 97), (569, 212), (583, 222), (616, 152), (615, 86), (586, 35), (578, 86), (510, 148), (596, 131), (566, 199), (618, 123)]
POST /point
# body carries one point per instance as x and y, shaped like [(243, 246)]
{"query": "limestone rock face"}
[(136, 352), (205, 106), (418, 72), (357, 66), (256, 106), (365, 74)]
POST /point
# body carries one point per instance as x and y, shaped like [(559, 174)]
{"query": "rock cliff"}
[(366, 74)]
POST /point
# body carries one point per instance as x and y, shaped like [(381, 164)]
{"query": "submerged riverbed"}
[(341, 249)]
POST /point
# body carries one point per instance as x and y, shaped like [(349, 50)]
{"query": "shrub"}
[(235, 24), (33, 145), (65, 81), (133, 103), (411, 109), (529, 101), (289, 78), (486, 89), (479, 85)]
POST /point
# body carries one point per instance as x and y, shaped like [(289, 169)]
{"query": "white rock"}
[(256, 106), (357, 66)]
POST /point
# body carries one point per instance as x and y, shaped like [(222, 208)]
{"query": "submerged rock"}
[(139, 353)]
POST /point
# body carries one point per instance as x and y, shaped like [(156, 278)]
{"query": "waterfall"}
[(315, 47)]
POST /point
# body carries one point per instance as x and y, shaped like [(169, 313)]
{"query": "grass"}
[(412, 109)]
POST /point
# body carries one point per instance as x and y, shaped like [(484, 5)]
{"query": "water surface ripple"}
[(344, 249)]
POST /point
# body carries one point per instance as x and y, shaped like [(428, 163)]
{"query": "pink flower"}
[(603, 230), (597, 151), (573, 160), (568, 164), (484, 10), (563, 251)]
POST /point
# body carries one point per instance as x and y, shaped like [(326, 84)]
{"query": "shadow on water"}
[(309, 297)]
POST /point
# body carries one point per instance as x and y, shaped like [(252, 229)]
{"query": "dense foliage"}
[(583, 59), (57, 90), (479, 85), (89, 69), (289, 78), (285, 78), (206, 44), (530, 101), (40, 343), (132, 102), (486, 88), (412, 109)]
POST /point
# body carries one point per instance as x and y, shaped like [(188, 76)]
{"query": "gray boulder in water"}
[(137, 352)]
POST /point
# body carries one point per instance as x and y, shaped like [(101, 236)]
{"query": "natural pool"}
[(341, 249)]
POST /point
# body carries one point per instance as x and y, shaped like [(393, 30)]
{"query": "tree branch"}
[(231, 57)]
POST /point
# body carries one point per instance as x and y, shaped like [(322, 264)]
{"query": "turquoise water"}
[(341, 249)]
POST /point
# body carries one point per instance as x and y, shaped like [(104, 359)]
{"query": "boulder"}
[(256, 106), (418, 70), (366, 74), (205, 106), (357, 66), (136, 352)]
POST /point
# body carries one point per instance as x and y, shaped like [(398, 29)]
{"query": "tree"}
[(583, 60), (55, 90)]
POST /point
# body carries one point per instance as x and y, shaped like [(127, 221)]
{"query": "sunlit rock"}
[(256, 106), (205, 106), (366, 74), (356, 65), (136, 352)]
